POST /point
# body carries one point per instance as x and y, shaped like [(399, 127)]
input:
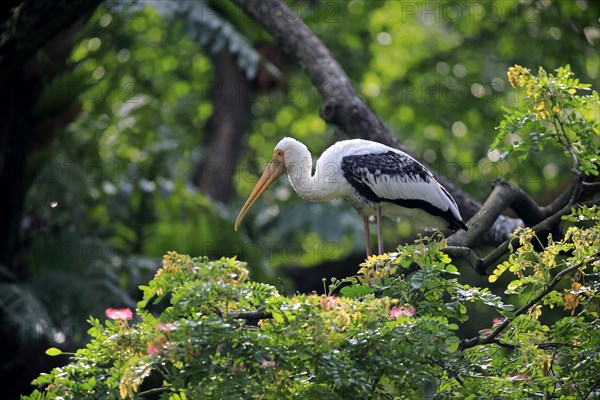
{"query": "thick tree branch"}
[(499, 200), (508, 195), (232, 99), (505, 195), (492, 337), (341, 105)]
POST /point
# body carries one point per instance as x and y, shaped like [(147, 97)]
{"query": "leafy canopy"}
[(394, 331)]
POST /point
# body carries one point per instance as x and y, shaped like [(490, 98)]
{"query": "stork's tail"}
[(453, 217)]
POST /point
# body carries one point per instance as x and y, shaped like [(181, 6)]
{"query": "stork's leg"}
[(367, 236), (379, 238)]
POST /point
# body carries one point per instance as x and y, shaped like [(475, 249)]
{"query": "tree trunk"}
[(232, 98), (47, 24), (16, 104)]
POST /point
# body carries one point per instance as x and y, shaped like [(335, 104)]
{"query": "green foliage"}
[(428, 284), (209, 29), (201, 346), (556, 110), (394, 332), (558, 358)]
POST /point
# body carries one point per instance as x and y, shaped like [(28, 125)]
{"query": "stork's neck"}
[(299, 169)]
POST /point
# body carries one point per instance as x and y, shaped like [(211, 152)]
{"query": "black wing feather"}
[(359, 168)]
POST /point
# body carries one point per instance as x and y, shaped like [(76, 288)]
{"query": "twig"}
[(551, 345), (151, 391), (503, 344), (375, 384), (575, 166), (594, 386), (492, 336), (575, 385)]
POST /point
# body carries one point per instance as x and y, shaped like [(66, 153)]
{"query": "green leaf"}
[(53, 351), (417, 280), (355, 291), (94, 332), (90, 384), (507, 314), (43, 379), (451, 269), (278, 317)]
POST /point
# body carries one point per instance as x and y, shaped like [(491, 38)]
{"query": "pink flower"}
[(123, 314), (328, 302), (152, 349), (165, 327), (404, 311), (497, 321)]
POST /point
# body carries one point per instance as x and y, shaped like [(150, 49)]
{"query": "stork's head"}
[(276, 167)]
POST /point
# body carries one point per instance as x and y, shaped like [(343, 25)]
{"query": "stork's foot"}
[(367, 236)]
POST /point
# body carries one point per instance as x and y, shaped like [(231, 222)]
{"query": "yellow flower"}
[(516, 76), (513, 77)]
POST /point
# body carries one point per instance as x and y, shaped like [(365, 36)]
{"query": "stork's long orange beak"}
[(273, 171)]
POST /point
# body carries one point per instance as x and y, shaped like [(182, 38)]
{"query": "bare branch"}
[(152, 391), (499, 200), (592, 388), (508, 195), (504, 195), (591, 184), (503, 344)]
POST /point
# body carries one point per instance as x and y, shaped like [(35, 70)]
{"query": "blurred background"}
[(130, 129)]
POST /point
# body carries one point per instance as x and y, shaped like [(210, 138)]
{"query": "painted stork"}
[(375, 179)]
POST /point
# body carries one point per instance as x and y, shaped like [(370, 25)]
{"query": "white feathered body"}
[(368, 175)]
